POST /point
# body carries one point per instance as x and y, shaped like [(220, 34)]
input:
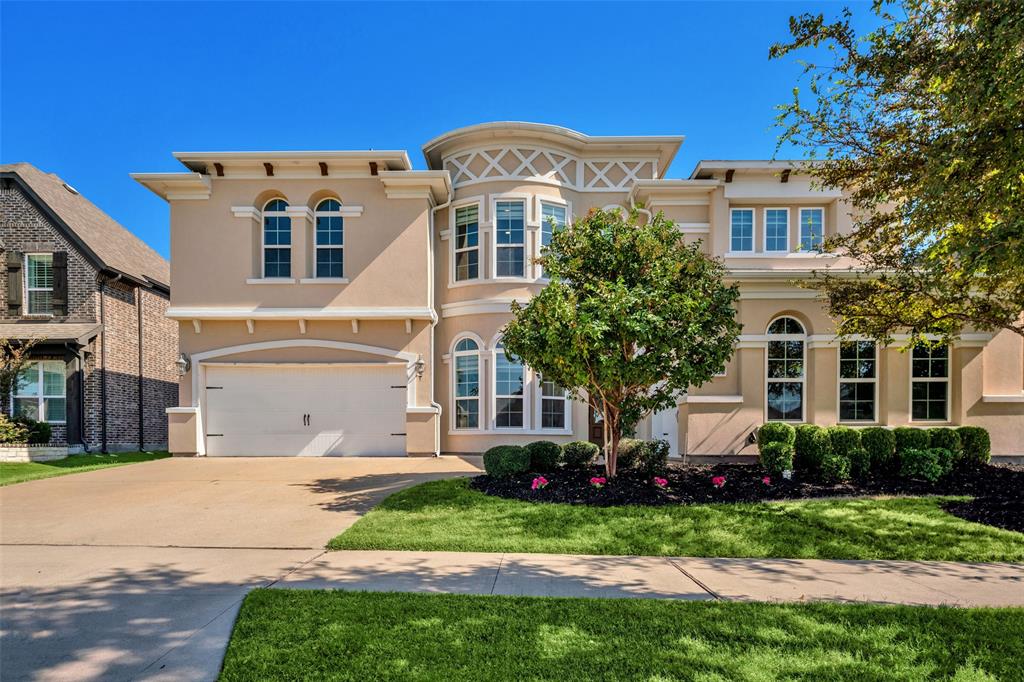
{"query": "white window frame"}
[(800, 228), (527, 398), (840, 380), (479, 353), (41, 398), (539, 212), (340, 214), (263, 241), (753, 229), (947, 379), (803, 377), (538, 407), (528, 224), (764, 232), (28, 290), (453, 237)]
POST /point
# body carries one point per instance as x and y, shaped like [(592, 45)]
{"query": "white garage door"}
[(305, 410)]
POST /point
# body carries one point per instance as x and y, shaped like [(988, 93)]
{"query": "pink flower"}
[(767, 480), (718, 481), (598, 481), (660, 482), (539, 482)]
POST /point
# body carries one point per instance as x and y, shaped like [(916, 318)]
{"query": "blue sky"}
[(94, 91)]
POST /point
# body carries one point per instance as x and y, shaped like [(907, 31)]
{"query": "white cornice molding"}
[(176, 186), (990, 398), (299, 212), (480, 306), (335, 313), (711, 399), (245, 212)]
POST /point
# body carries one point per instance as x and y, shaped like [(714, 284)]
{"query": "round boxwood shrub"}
[(652, 457), (922, 464), (909, 438), (844, 440), (544, 455), (835, 468), (777, 457), (945, 458), (947, 439), (976, 446), (629, 452), (579, 454), (775, 432), (506, 460), (860, 463), (881, 446), (813, 445)]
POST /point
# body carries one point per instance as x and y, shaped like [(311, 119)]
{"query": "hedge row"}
[(645, 457), (24, 431), (837, 453)]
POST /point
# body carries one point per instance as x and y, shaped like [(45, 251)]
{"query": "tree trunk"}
[(611, 455)]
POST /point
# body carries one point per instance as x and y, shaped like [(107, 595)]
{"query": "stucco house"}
[(342, 303), (92, 297)]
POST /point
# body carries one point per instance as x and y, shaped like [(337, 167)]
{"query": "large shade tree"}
[(921, 121), (633, 316)]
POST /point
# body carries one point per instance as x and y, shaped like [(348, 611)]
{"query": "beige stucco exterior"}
[(401, 302)]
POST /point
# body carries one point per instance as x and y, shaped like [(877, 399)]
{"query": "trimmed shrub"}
[(652, 457), (921, 464), (945, 458), (12, 432), (775, 432), (844, 440), (506, 460), (860, 462), (39, 433), (813, 445), (976, 446), (909, 438), (777, 457), (579, 454), (947, 439), (544, 455), (629, 452), (835, 468), (881, 446)]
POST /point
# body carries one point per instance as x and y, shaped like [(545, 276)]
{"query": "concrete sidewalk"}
[(888, 582)]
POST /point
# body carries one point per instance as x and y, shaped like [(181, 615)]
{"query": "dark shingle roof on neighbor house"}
[(111, 243)]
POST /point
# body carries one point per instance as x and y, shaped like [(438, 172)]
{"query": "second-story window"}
[(39, 283), (330, 239), (776, 229), (812, 229), (552, 219), (277, 239), (510, 239), (467, 243), (741, 230)]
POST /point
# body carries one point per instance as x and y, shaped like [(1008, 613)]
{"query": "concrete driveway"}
[(137, 572)]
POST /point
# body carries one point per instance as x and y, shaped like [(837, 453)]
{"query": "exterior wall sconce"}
[(183, 364), (419, 367)]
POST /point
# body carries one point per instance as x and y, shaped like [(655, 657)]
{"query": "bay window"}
[(467, 243), (510, 239)]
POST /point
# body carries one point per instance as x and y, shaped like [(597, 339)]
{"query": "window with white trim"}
[(812, 229), (776, 229), (741, 229), (40, 392), (929, 386), (329, 260), (858, 381), (466, 361), (552, 219), (39, 283), (509, 391), (554, 405), (277, 239), (785, 370), (467, 243), (510, 238)]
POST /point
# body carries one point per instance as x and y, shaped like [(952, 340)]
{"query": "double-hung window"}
[(40, 392), (929, 384), (553, 405), (467, 384), (467, 243), (741, 230), (812, 229), (785, 370), (509, 401), (552, 219), (39, 283), (510, 239), (776, 229), (858, 381), (277, 239), (330, 239)]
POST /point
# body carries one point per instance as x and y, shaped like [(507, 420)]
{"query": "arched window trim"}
[(317, 247), (785, 359), (456, 354), (277, 214)]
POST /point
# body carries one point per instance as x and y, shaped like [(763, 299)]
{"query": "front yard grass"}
[(449, 516), (18, 472), (335, 635)]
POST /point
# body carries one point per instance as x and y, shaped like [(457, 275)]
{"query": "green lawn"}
[(335, 635), (449, 516), (17, 472)]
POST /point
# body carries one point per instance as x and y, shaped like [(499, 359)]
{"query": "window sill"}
[(509, 432), (324, 280), (776, 254), (270, 280)]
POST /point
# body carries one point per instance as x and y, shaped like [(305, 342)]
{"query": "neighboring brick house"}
[(87, 290)]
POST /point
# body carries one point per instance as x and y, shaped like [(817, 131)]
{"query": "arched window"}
[(509, 391), (785, 370), (277, 239), (466, 362), (330, 240)]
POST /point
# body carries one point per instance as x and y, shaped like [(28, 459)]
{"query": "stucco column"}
[(822, 392), (302, 260), (895, 382)]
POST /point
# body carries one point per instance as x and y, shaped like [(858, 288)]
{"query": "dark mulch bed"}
[(998, 490)]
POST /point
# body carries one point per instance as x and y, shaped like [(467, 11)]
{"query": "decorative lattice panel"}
[(545, 165)]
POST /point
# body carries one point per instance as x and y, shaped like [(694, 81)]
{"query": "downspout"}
[(433, 324), (632, 205), (138, 314), (103, 364)]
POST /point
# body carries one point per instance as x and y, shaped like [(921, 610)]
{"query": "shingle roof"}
[(50, 331), (116, 247)]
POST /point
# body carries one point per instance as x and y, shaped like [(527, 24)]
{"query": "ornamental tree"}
[(921, 122), (633, 316)]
